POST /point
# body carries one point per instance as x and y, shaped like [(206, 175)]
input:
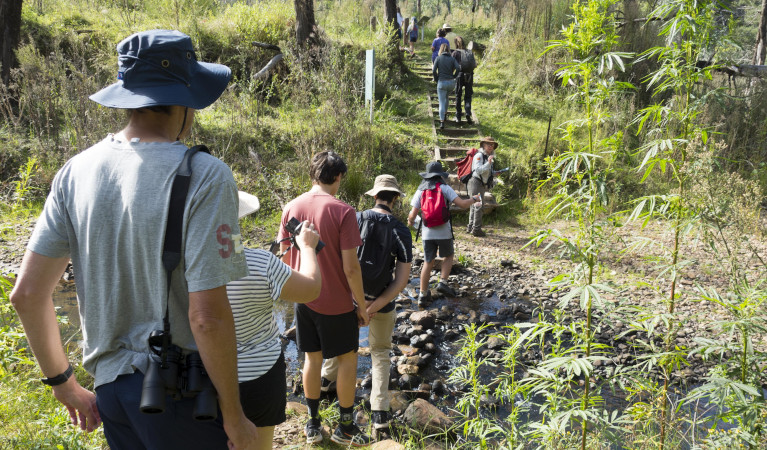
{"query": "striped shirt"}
[(252, 297)]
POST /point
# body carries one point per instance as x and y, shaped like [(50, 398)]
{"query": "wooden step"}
[(459, 131)]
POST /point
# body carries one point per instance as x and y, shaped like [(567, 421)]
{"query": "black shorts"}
[(430, 247), (333, 335), (264, 399), (412, 39)]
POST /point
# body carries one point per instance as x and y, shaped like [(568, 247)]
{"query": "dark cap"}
[(434, 169)]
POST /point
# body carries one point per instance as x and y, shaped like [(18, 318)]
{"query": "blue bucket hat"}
[(159, 67)]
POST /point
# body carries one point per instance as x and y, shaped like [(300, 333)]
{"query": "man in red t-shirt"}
[(329, 326)]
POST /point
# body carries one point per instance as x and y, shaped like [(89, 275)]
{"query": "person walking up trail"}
[(386, 240), (328, 327), (444, 72), (436, 44), (412, 35), (434, 193), (109, 210), (464, 86), (260, 362)]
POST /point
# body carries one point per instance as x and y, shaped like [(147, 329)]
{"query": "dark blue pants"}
[(125, 427)]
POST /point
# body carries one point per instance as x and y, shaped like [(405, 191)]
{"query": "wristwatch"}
[(60, 378)]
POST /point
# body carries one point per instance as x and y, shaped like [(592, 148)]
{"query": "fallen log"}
[(267, 46), (263, 73)]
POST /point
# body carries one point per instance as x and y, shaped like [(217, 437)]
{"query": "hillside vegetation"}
[(604, 121)]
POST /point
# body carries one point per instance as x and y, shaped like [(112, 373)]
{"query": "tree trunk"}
[(760, 51), (305, 26), (10, 27), (418, 8)]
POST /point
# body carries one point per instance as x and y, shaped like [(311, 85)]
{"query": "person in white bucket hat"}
[(260, 362)]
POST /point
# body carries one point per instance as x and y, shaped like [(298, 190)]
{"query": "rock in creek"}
[(422, 415), (426, 319)]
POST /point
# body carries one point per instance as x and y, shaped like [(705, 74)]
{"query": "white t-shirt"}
[(441, 231), (252, 298)]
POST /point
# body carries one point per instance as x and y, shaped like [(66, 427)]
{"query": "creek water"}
[(443, 363)]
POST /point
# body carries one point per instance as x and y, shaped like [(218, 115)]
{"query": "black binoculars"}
[(178, 377)]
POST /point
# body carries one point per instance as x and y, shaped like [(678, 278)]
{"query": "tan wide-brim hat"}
[(248, 204), (385, 183), (488, 140), (447, 27)]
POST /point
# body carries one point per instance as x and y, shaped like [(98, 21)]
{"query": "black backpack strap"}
[(171, 252)]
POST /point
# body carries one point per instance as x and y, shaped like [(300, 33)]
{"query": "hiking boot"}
[(313, 431), (441, 124), (469, 120), (327, 385), (351, 436), (478, 232), (381, 420), (424, 299), (458, 119), (445, 289)]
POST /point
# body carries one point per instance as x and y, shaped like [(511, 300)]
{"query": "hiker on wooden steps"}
[(481, 180), (464, 86), (444, 72), (432, 200)]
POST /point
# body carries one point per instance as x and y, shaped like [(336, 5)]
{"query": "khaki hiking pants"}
[(379, 337), (476, 186)]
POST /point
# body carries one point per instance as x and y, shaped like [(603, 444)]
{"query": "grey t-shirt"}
[(107, 210), (442, 231)]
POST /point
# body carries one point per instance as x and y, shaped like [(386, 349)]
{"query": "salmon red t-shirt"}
[(336, 222)]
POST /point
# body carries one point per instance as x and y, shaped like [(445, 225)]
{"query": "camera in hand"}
[(294, 228), (172, 374)]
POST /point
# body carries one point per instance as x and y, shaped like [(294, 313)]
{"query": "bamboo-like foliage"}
[(671, 128), (580, 176)]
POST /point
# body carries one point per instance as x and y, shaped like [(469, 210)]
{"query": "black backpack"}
[(468, 63), (376, 254)]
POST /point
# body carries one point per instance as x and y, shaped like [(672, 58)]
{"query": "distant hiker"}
[(399, 25), (481, 180), (464, 86), (432, 200), (412, 34), (449, 35), (260, 362), (436, 44), (110, 209), (385, 241), (444, 71), (329, 326)]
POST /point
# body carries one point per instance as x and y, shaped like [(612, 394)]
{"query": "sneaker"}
[(352, 436), (313, 431), (457, 119), (445, 289), (468, 229), (424, 299), (381, 420), (469, 120), (478, 232), (327, 385)]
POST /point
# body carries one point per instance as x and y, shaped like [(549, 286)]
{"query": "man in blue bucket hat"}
[(107, 210)]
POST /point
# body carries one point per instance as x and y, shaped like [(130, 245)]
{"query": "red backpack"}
[(464, 166), (434, 207)]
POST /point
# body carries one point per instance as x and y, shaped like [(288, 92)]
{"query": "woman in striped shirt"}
[(260, 363)]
